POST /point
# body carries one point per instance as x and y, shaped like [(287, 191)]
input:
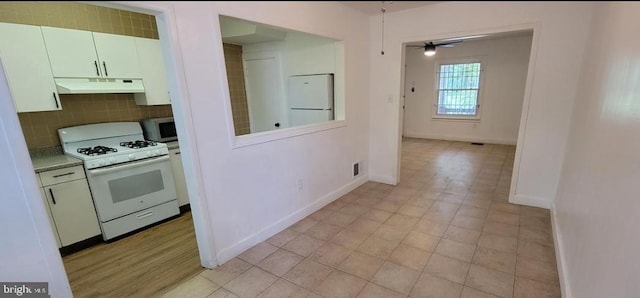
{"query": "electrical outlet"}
[(356, 169), (299, 184)]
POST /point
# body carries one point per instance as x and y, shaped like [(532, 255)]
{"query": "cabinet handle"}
[(55, 99), (65, 174), (104, 64), (97, 69), (177, 153), (144, 215), (53, 198)]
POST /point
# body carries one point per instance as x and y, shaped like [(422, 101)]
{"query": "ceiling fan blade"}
[(448, 43), (447, 46)]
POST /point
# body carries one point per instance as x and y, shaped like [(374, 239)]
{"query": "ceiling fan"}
[(430, 47)]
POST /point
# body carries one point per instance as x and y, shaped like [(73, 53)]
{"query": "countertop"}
[(54, 162), (172, 145)]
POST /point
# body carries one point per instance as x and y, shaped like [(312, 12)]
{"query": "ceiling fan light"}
[(429, 50)]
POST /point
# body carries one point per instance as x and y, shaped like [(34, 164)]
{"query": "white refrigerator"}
[(310, 99)]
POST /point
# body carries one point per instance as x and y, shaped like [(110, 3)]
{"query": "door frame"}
[(535, 27), (198, 199)]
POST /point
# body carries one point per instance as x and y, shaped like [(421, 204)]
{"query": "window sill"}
[(274, 135), (455, 119)]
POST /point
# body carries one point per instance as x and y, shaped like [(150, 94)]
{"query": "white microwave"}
[(160, 129)]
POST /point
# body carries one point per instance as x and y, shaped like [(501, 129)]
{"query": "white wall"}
[(251, 192), (506, 62), (28, 251), (558, 46), (597, 208)]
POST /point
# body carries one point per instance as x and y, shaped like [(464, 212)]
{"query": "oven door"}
[(122, 189)]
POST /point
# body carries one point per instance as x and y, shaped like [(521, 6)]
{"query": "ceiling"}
[(477, 37), (374, 7)]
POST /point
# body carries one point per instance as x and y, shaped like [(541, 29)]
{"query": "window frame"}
[(437, 64)]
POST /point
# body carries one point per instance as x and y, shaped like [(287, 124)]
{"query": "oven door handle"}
[(130, 165)]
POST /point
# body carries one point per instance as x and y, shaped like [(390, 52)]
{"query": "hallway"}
[(446, 230)]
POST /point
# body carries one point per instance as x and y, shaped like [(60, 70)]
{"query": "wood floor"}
[(145, 264)]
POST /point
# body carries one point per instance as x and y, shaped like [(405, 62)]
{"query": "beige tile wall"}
[(73, 15), (235, 75), (40, 128)]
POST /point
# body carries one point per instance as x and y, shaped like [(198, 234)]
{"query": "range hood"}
[(87, 86)]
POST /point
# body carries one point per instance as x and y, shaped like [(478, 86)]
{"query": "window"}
[(458, 90)]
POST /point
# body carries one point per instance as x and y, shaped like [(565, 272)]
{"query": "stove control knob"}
[(112, 160), (132, 156), (149, 153), (102, 162), (156, 152)]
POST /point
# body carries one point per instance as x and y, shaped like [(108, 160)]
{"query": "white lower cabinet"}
[(178, 177), (53, 224), (70, 204)]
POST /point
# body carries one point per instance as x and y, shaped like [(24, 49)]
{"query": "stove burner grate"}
[(137, 144), (97, 150)]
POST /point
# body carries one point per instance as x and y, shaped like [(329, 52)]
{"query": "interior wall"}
[(301, 54), (559, 41), (250, 193), (235, 77), (41, 128), (596, 210), (506, 61)]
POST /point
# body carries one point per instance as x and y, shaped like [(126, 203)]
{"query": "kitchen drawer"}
[(61, 175)]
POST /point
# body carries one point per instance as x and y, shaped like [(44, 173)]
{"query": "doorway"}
[(437, 102)]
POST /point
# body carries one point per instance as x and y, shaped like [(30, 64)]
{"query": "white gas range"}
[(131, 179)]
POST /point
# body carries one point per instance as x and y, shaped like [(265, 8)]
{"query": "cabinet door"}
[(26, 67), (178, 177), (53, 224), (117, 54), (71, 53), (73, 211), (154, 74)]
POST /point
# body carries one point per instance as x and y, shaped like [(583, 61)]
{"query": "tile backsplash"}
[(40, 129), (80, 16), (235, 76)]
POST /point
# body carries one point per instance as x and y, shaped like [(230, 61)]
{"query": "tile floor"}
[(445, 231)]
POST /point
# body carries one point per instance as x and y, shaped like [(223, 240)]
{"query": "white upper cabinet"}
[(71, 52), (118, 56), (26, 65), (85, 54), (154, 76)]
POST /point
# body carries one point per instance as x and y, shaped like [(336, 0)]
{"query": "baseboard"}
[(560, 260), (382, 179), (185, 208), (459, 138), (229, 253), (530, 201)]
